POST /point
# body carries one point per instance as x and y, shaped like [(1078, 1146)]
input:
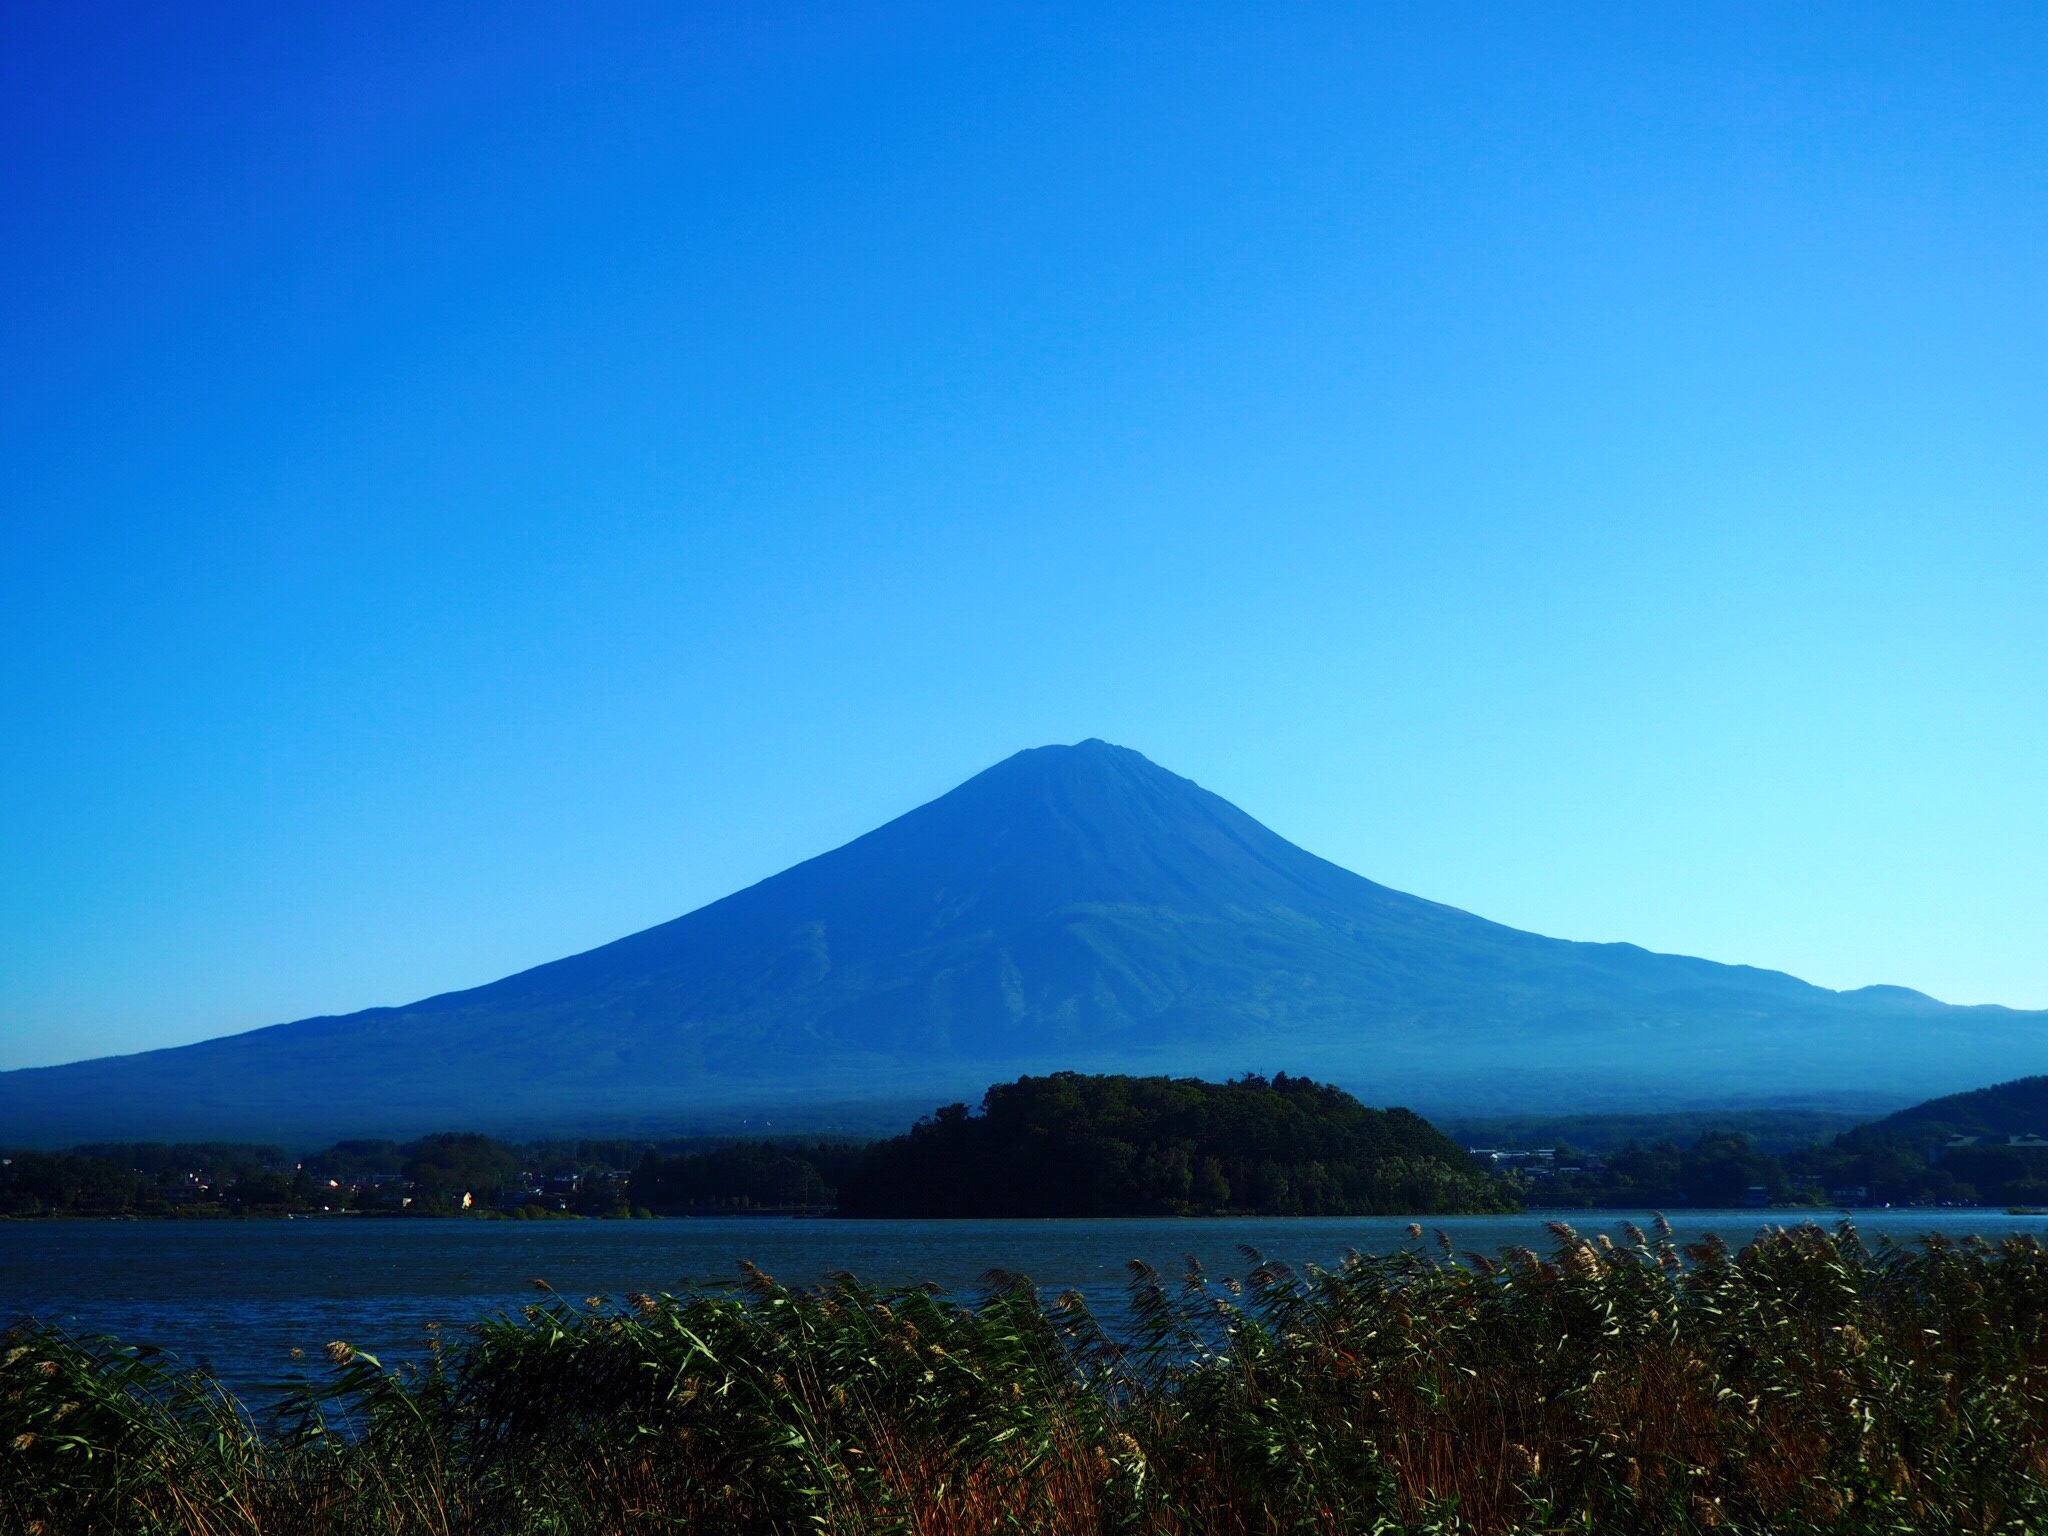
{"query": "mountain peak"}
[(1094, 752), (1091, 771)]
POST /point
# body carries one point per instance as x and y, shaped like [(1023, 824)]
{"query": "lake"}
[(239, 1296)]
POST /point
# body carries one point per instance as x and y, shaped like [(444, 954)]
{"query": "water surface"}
[(240, 1296)]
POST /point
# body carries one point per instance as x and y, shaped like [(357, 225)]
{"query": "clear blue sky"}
[(477, 481)]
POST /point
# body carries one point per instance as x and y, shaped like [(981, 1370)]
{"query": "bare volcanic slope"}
[(1071, 907)]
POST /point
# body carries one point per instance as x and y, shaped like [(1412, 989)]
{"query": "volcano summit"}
[(1071, 907)]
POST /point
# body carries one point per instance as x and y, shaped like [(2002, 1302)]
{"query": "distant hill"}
[(1769, 1130), (1076, 1145), (2017, 1108), (1070, 908)]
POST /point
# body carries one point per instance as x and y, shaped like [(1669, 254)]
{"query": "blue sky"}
[(479, 481)]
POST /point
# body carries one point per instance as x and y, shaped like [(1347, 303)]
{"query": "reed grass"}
[(1806, 1383)]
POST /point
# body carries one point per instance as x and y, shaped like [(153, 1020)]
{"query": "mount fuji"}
[(1070, 907)]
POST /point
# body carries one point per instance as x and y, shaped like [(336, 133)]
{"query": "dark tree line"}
[(1076, 1145), (1062, 1145), (1067, 1144), (428, 1176), (1872, 1165), (749, 1175)]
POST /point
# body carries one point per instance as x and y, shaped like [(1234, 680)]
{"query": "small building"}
[(2023, 1141)]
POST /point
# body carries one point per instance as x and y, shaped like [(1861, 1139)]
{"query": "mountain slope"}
[(1071, 907)]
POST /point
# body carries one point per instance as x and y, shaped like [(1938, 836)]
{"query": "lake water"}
[(239, 1296)]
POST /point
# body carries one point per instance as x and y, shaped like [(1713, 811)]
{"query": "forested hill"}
[(1076, 1145), (2017, 1108)]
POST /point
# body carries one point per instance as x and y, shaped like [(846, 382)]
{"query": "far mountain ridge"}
[(1072, 907)]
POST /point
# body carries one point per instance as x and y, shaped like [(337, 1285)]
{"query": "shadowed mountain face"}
[(1072, 907)]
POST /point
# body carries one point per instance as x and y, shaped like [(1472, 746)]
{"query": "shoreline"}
[(814, 1214)]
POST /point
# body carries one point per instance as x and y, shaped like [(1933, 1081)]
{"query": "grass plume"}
[(1805, 1383)]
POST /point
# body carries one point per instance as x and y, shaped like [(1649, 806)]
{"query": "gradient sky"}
[(477, 481)]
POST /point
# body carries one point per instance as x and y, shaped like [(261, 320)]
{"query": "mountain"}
[(1070, 908)]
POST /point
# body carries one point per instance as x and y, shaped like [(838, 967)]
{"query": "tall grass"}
[(1806, 1383)]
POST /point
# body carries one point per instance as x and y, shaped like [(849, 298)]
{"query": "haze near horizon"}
[(476, 487)]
